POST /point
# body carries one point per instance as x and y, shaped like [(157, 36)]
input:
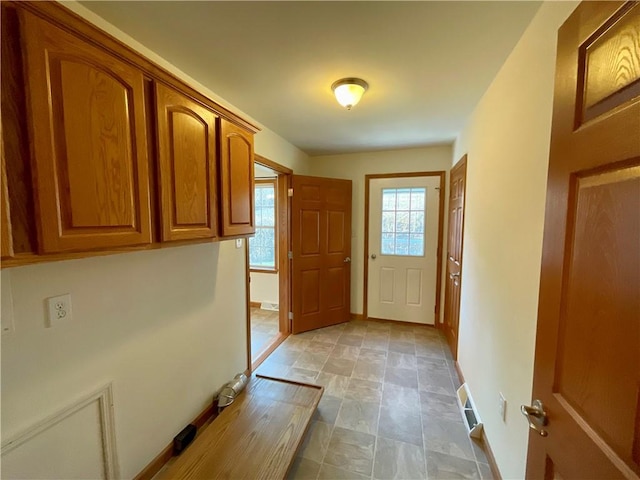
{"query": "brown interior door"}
[(587, 366), (321, 246), (457, 183)]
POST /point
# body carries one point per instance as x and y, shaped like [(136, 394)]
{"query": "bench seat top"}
[(256, 437)]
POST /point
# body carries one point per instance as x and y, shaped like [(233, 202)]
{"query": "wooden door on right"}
[(457, 186), (587, 364)]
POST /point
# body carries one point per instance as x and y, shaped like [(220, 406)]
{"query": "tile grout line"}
[(375, 442), (315, 381), (333, 427), (424, 440), (375, 437)]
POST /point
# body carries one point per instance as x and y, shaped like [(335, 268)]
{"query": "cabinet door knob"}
[(347, 260)]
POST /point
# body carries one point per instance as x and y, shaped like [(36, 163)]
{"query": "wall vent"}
[(469, 412)]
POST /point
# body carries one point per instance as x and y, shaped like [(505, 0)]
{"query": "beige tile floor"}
[(389, 409), (264, 329)]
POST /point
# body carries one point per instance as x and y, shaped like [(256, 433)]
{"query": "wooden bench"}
[(256, 437)]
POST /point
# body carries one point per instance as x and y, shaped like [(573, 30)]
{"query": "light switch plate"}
[(502, 408), (238, 243)]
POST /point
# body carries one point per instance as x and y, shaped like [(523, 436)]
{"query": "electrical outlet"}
[(238, 243), (503, 407), (59, 309)]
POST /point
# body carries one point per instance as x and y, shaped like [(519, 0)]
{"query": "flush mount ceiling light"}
[(349, 91)]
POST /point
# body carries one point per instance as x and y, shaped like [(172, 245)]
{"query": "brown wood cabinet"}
[(86, 113), (186, 166), (105, 151), (236, 181), (6, 245)]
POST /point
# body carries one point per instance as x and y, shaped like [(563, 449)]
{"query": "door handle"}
[(373, 256), (347, 260), (536, 416)]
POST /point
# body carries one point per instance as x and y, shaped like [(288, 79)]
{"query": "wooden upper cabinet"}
[(187, 166), (88, 135), (236, 181), (6, 241)]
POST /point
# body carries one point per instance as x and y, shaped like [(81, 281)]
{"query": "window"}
[(403, 221), (262, 247)]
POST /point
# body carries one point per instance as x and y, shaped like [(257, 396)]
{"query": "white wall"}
[(507, 139), (273, 147), (354, 167), (264, 287), (167, 327)]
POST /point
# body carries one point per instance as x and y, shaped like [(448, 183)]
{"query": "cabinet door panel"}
[(187, 166), (237, 181), (98, 171), (90, 163), (6, 241)]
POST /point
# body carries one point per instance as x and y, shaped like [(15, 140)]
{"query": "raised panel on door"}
[(414, 287), (187, 166), (604, 257), (86, 110), (387, 285), (236, 181), (587, 359), (307, 261)]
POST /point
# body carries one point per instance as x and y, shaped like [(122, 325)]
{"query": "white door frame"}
[(368, 178)]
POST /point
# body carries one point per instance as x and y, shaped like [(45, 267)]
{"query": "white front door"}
[(403, 245)]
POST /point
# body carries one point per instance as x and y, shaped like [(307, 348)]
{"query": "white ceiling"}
[(427, 63)]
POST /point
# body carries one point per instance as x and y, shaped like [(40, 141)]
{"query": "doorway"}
[(403, 245), (267, 262), (453, 279)]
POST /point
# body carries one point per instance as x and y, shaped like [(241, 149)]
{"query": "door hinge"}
[(290, 315), (290, 192), (290, 255)]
